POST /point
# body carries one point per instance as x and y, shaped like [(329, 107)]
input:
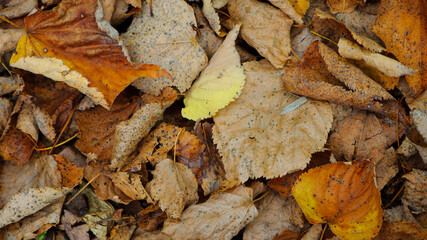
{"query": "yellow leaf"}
[(300, 6), (219, 84)]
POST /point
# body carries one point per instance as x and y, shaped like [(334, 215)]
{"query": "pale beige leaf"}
[(9, 39), (27, 123), (140, 234), (287, 8), (174, 186), (165, 39), (130, 132), (33, 225), (313, 232), (5, 111), (407, 148), (273, 218), (131, 185), (98, 211), (40, 171), (28, 202), (385, 64), (366, 42), (301, 41), (17, 8), (219, 3), (255, 140), (222, 216), (419, 113), (415, 193), (9, 84), (264, 27), (212, 16), (386, 168), (135, 3)]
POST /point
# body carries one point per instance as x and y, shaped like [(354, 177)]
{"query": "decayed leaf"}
[(150, 218), (71, 174), (97, 126), (17, 8), (415, 195), (56, 45), (323, 72), (361, 134), (131, 185), (28, 202), (9, 84), (387, 82), (9, 39), (255, 140), (401, 26), (174, 186), (337, 6), (97, 215), (273, 218), (220, 217), (264, 27), (166, 38), (385, 64), (419, 113), (401, 230), (220, 83), (344, 196), (286, 7), (128, 133)]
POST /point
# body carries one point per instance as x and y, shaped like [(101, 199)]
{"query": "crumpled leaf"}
[(166, 38), (9, 39), (220, 217), (386, 168), (28, 202), (337, 6), (128, 133), (385, 64), (68, 219), (401, 26), (273, 218), (251, 134), (27, 123), (220, 83), (212, 17), (17, 8), (9, 84), (344, 196), (415, 195), (174, 186), (98, 214), (5, 111), (287, 7), (131, 185), (56, 45), (324, 75), (361, 134), (264, 27), (71, 174)]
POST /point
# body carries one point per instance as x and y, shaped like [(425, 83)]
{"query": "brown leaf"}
[(131, 185), (401, 230), (174, 186), (79, 48), (71, 174), (401, 26), (273, 41), (287, 235), (151, 217), (386, 168), (337, 6), (415, 194), (122, 232)]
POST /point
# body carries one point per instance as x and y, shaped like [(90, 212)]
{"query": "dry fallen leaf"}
[(255, 140), (79, 232), (17, 8), (5, 111), (415, 194), (401, 26), (220, 217), (344, 196), (219, 84), (401, 230), (286, 7), (166, 38), (264, 27), (273, 218), (56, 45), (343, 5), (386, 168), (71, 174), (174, 186), (419, 113), (9, 39), (9, 84), (131, 185)]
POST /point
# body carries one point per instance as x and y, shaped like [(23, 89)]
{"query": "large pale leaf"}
[(220, 83), (255, 140), (220, 217)]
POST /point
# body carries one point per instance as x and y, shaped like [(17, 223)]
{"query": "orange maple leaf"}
[(74, 44)]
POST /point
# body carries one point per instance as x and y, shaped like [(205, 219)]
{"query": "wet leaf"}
[(344, 196)]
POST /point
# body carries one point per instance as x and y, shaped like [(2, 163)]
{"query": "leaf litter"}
[(97, 141)]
